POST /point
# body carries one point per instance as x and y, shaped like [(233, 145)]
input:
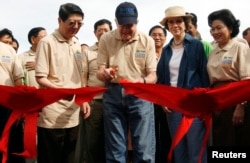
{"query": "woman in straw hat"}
[(183, 64)]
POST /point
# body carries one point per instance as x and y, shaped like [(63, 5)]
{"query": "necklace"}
[(177, 44)]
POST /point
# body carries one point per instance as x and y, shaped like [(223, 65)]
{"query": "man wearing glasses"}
[(59, 65)]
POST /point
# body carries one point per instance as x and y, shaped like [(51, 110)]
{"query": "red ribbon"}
[(182, 130), (199, 102), (26, 102)]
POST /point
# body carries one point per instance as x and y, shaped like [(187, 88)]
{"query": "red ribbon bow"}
[(26, 102), (199, 102)]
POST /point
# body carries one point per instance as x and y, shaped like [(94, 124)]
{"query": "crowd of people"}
[(115, 126)]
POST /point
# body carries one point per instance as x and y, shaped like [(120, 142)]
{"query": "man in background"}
[(92, 128), (28, 63), (162, 134), (6, 36), (246, 35), (27, 58)]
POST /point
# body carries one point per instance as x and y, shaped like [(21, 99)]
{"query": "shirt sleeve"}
[(42, 59), (244, 58)]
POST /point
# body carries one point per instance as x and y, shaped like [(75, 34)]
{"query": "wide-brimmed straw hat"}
[(174, 11)]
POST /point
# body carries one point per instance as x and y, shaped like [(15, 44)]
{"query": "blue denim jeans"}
[(121, 110), (188, 150)]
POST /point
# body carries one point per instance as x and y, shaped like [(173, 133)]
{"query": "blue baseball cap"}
[(126, 13)]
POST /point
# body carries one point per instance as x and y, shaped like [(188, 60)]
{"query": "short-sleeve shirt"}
[(29, 76), (89, 58), (10, 67), (207, 47), (61, 62), (134, 58), (230, 63)]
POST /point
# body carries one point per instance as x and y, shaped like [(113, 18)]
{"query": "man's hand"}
[(30, 65), (85, 110), (107, 74)]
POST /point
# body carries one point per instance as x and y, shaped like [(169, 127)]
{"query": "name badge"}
[(6, 59), (78, 55)]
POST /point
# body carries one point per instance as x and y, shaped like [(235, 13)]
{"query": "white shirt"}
[(174, 65)]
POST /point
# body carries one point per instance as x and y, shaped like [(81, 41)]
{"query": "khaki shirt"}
[(232, 63), (10, 67), (29, 76), (134, 58), (61, 62), (90, 69)]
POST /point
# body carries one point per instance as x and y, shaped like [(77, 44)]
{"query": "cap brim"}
[(127, 20)]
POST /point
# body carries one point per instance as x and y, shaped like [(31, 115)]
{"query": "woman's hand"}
[(166, 109), (238, 115)]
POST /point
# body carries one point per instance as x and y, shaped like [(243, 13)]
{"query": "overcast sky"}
[(22, 15)]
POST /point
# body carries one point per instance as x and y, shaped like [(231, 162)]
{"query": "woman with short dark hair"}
[(228, 62)]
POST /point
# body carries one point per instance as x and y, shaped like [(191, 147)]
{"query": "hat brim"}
[(163, 21), (127, 20)]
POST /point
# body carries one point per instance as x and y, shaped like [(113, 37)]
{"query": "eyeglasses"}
[(172, 22), (161, 35), (72, 23)]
